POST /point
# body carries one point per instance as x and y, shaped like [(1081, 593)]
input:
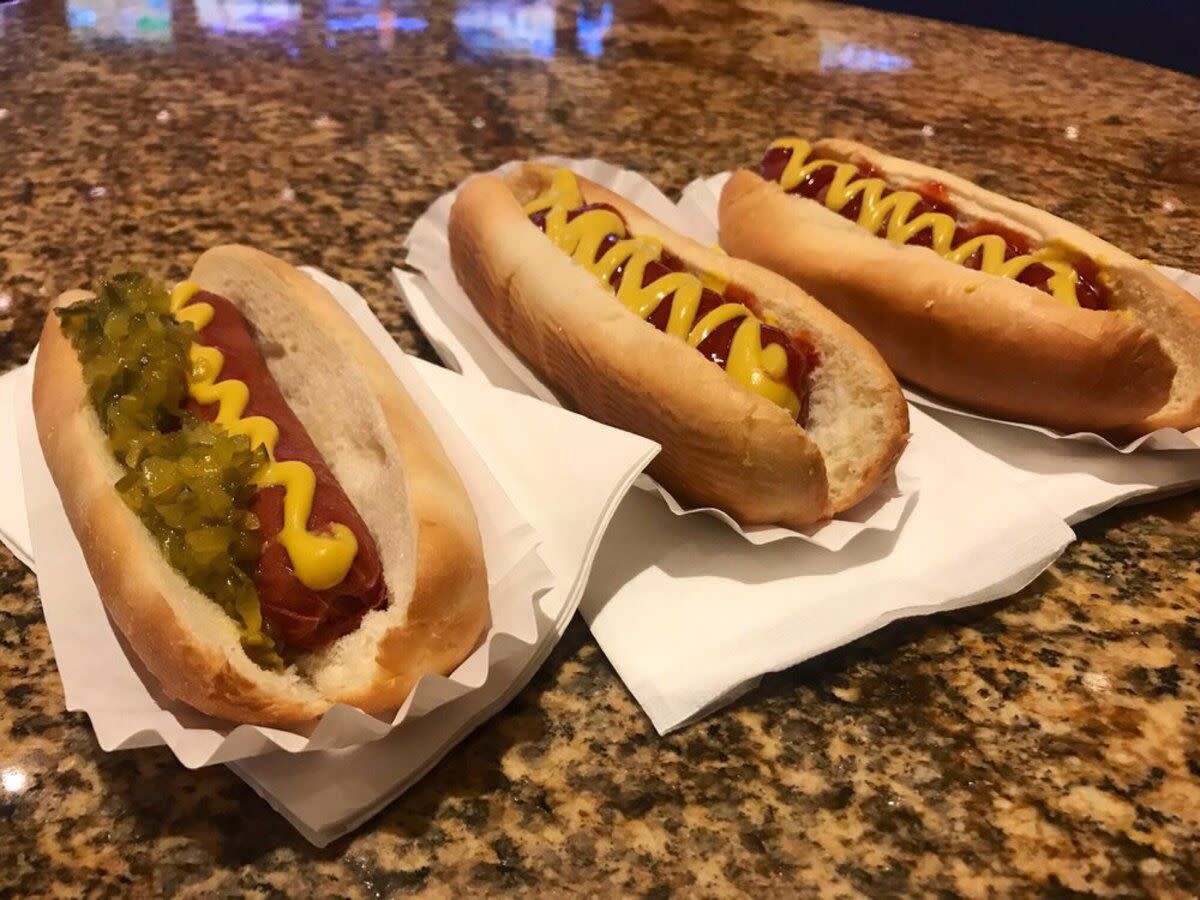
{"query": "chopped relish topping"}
[(190, 482)]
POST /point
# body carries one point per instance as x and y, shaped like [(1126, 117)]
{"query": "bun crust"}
[(723, 445), (384, 454), (986, 342)]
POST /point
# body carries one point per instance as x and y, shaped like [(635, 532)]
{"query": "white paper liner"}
[(14, 523), (127, 709), (699, 202), (429, 251)]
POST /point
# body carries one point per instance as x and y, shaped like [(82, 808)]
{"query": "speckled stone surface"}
[(1043, 745)]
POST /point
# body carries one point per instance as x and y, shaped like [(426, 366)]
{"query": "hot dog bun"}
[(385, 456), (987, 342), (723, 445)]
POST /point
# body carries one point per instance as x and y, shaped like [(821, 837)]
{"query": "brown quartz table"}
[(1044, 744)]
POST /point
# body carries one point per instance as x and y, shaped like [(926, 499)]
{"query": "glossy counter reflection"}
[(475, 30), (1041, 745), (484, 27)]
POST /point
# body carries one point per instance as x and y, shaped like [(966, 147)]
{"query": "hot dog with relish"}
[(267, 516)]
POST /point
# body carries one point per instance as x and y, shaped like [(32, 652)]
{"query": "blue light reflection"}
[(369, 15), (252, 17), (148, 20), (506, 27), (841, 55), (591, 25)]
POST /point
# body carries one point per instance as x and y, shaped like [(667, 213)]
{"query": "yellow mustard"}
[(896, 209), (761, 369), (320, 560)]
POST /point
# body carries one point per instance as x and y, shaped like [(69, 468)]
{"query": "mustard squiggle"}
[(320, 560), (896, 210), (761, 369)]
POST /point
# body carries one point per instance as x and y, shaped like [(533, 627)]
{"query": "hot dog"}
[(990, 303), (268, 518), (766, 405), (304, 616)]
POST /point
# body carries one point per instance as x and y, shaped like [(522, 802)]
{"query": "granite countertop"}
[(1042, 744)]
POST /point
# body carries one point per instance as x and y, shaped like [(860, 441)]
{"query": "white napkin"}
[(691, 620), (691, 615), (14, 523), (1077, 479), (429, 250), (1076, 475), (127, 710)]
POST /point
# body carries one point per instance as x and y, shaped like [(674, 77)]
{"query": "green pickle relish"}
[(189, 481)]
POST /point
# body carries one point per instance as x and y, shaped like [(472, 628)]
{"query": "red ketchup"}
[(299, 617), (802, 356), (936, 198)]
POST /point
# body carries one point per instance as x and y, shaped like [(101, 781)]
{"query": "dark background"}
[(1163, 32)]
